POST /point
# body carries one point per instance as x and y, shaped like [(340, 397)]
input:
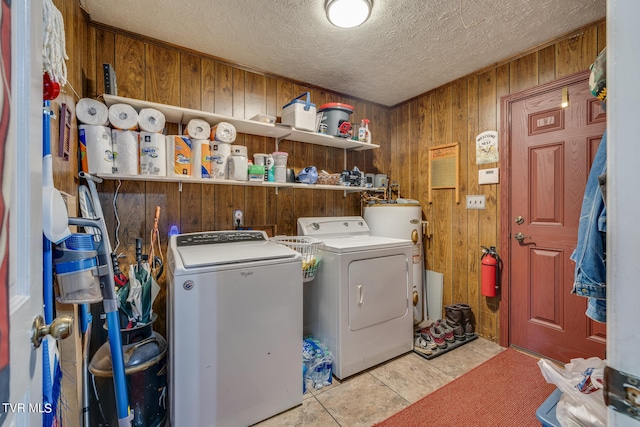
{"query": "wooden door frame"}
[(505, 188)]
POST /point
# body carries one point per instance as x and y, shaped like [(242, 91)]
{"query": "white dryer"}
[(234, 310), (358, 305)]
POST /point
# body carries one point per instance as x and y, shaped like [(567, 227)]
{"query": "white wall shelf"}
[(190, 180), (280, 132)]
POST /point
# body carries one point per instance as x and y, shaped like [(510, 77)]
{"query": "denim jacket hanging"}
[(591, 273)]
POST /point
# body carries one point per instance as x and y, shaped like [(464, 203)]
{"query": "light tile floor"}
[(374, 395)]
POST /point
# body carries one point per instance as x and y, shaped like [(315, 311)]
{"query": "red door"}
[(551, 149)]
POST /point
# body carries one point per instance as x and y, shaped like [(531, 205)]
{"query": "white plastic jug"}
[(238, 163)]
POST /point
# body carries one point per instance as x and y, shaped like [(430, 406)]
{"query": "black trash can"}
[(145, 357)]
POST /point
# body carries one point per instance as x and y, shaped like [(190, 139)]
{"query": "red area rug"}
[(506, 390)]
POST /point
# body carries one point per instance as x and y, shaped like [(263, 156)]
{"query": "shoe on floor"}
[(437, 335), (455, 320), (467, 319), (420, 344), (431, 344), (448, 330)]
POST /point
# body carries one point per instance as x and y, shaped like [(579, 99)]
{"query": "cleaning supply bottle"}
[(364, 135), (362, 131), (367, 131)]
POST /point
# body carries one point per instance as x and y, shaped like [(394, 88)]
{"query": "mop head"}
[(54, 51)]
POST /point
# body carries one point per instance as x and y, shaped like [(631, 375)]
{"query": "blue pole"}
[(47, 281), (49, 387), (85, 317), (117, 361)]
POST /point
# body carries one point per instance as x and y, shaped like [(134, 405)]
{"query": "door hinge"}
[(622, 392)]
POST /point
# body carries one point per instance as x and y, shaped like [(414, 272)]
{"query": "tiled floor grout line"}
[(444, 368), (328, 412)]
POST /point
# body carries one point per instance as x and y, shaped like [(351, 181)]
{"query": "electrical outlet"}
[(238, 218), (476, 202)]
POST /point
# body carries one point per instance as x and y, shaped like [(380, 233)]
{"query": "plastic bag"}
[(582, 402), (308, 175)]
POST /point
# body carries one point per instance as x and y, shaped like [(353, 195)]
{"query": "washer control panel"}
[(215, 237)]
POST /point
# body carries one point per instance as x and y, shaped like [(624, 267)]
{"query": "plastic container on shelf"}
[(264, 118), (280, 166), (238, 163), (300, 114), (309, 248), (333, 114)]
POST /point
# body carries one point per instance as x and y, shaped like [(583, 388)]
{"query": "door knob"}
[(416, 298), (520, 237), (415, 236), (60, 328)]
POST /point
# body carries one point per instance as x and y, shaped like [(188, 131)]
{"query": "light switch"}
[(488, 176), (476, 201)]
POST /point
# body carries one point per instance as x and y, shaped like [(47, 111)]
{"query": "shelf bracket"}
[(345, 158), (278, 143)]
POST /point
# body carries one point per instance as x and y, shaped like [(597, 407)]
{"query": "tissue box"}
[(300, 114)]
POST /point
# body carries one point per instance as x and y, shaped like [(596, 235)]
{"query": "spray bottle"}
[(366, 124), (362, 131), (364, 135)]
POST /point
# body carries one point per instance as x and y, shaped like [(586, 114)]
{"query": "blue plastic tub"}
[(546, 413)]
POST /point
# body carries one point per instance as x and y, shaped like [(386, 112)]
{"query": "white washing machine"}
[(403, 221), (358, 305), (234, 310)]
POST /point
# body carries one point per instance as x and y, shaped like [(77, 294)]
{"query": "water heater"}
[(402, 221)]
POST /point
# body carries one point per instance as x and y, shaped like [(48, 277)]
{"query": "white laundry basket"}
[(309, 247)]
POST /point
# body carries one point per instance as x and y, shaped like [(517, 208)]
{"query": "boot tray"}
[(450, 346)]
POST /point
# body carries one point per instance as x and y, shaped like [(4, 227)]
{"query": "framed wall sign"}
[(444, 164)]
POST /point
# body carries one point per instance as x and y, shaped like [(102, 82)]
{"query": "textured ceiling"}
[(407, 47)]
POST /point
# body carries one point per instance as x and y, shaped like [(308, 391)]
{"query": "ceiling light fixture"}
[(348, 13)]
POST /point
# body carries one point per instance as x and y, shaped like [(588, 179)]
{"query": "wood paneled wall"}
[(457, 112), (153, 71)]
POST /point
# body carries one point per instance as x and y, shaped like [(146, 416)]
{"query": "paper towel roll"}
[(151, 120), (95, 141), (153, 154), (223, 132), (220, 153), (198, 129), (178, 155), (201, 158), (125, 152), (123, 116), (92, 112)]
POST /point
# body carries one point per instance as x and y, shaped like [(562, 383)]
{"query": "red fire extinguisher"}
[(490, 264)]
